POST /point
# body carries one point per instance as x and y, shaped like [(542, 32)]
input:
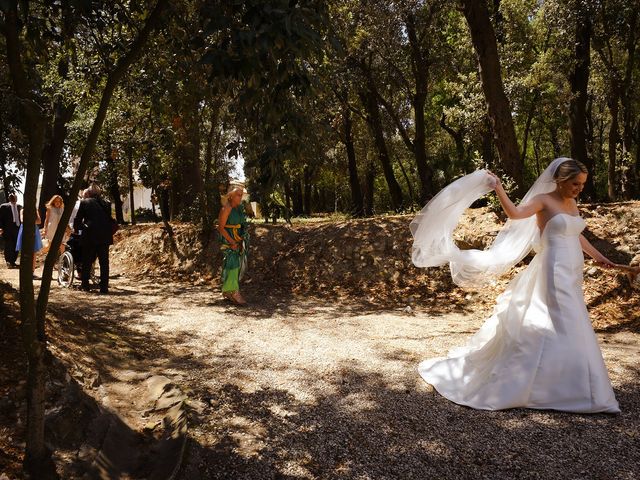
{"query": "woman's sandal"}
[(237, 299)]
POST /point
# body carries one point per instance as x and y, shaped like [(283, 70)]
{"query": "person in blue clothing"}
[(38, 240)]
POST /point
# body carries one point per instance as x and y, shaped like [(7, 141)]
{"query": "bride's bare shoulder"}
[(544, 198), (542, 203), (541, 200)]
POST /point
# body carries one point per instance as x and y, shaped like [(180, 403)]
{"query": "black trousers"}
[(91, 251), (10, 237)]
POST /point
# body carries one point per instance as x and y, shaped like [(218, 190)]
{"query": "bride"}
[(538, 349)]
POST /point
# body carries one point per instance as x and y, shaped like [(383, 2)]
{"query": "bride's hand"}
[(496, 180), (628, 269), (632, 273)]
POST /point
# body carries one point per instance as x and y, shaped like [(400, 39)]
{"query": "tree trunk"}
[(484, 42), (579, 82), (632, 182), (458, 138), (487, 145), (369, 187), (614, 140), (425, 172), (357, 209), (132, 206), (288, 194), (555, 142), (407, 180), (527, 128), (194, 172), (211, 193), (420, 67), (320, 200), (6, 184), (164, 202), (187, 186), (628, 108), (370, 102), (307, 185), (298, 203), (52, 153), (536, 152), (637, 159), (37, 459), (113, 184), (153, 203)]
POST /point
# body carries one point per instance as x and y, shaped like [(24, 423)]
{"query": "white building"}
[(141, 199)]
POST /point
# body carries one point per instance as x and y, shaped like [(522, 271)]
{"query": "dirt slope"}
[(369, 260)]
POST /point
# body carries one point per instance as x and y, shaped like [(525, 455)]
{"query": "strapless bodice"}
[(562, 226)]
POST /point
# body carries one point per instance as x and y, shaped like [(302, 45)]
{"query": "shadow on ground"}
[(359, 424), (362, 428)]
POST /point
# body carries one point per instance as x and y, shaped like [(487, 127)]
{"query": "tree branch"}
[(135, 51), (396, 120)]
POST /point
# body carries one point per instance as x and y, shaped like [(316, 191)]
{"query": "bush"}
[(146, 215)]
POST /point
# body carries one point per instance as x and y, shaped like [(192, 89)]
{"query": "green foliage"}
[(146, 215), (270, 84)]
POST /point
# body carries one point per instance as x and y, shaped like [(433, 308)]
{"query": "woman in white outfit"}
[(538, 349), (55, 208)]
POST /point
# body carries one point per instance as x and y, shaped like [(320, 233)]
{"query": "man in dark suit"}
[(93, 222), (9, 226)]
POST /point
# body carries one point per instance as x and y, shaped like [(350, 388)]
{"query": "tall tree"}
[(579, 82), (357, 199), (615, 40), (370, 102), (24, 80), (484, 41)]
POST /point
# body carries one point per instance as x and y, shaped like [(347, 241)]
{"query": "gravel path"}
[(297, 388)]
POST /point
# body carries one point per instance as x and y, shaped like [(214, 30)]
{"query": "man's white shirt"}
[(16, 215)]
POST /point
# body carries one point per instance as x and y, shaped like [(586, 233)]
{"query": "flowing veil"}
[(433, 227)]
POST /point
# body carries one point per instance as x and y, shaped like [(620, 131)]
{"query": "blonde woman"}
[(232, 227), (55, 207)]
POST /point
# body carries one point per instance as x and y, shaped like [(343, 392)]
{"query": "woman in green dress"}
[(232, 226)]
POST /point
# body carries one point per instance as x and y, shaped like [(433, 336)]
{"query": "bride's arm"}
[(600, 259), (593, 252), (516, 212)]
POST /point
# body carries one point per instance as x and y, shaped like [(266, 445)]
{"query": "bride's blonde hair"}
[(569, 169), (232, 191)]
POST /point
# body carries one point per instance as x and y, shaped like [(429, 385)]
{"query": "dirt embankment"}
[(369, 260)]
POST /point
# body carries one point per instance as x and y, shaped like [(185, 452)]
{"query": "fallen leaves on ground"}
[(369, 261)]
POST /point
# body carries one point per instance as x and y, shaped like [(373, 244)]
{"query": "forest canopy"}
[(359, 107)]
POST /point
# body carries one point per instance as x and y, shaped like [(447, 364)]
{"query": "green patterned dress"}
[(236, 227)]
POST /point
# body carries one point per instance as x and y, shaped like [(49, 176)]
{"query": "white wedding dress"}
[(538, 349)]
